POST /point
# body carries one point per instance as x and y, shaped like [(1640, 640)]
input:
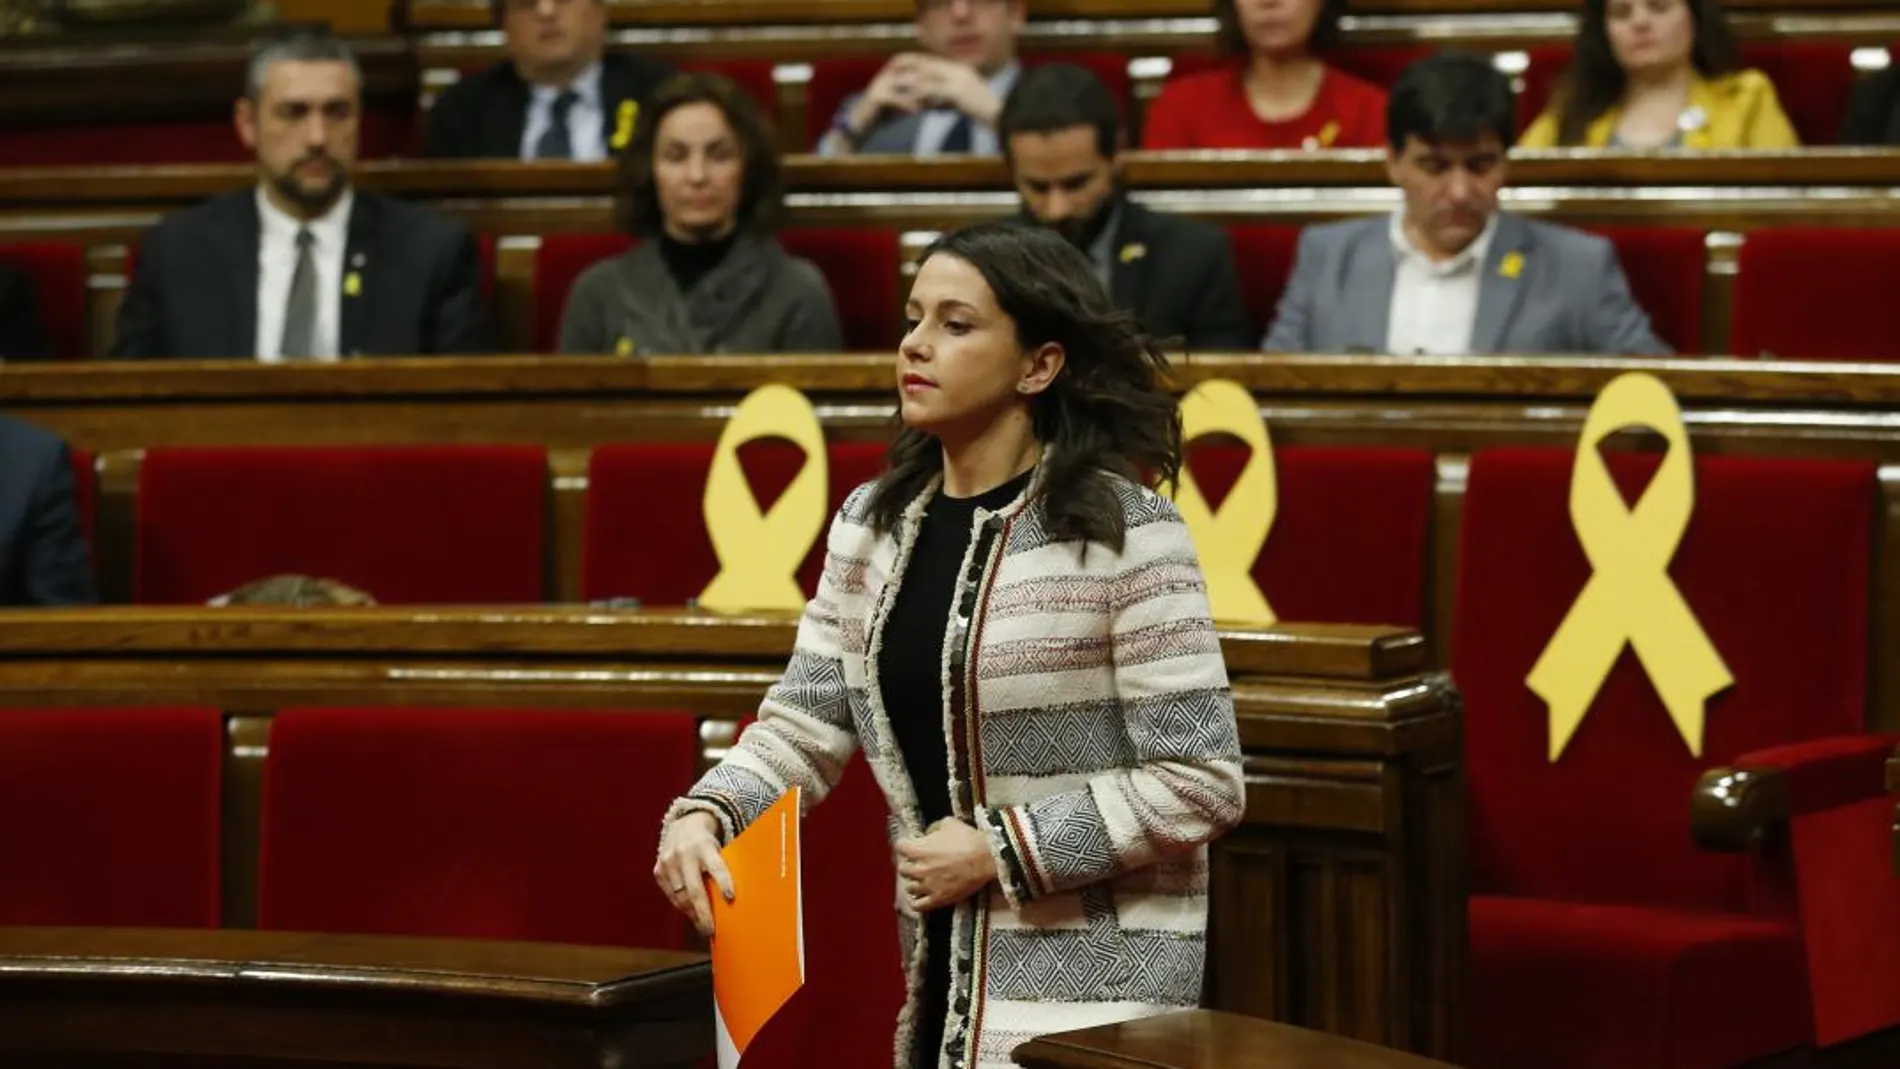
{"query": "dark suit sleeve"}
[(458, 314), (1871, 112), (1218, 320), (1291, 331), (1617, 325), (22, 335), (55, 568), (450, 132), (140, 333)]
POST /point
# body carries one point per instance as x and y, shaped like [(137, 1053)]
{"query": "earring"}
[(1022, 387)]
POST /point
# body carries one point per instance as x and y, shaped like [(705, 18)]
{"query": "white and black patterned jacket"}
[(1091, 733)]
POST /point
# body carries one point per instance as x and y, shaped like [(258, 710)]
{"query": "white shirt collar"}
[(586, 87), (331, 229), (1470, 259)]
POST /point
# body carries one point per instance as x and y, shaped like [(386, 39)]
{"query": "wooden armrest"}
[(1205, 1039), (1732, 808)]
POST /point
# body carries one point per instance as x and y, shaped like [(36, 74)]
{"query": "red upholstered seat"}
[(1818, 293), (1350, 537), (1378, 64), (558, 261), (110, 816), (754, 76), (1263, 257), (58, 272), (835, 80), (860, 263), (533, 824), (1666, 267), (1601, 937), (384, 133), (414, 524), (646, 530)]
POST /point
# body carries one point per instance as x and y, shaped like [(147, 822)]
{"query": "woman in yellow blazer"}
[(1660, 74)]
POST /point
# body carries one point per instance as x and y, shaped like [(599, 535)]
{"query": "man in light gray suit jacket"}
[(943, 99), (1450, 274)]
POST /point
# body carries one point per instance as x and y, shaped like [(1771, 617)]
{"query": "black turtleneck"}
[(688, 262), (910, 680)]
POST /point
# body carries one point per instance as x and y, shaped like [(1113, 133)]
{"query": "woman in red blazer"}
[(1274, 92)]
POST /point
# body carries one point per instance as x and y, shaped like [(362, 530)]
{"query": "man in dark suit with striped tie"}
[(302, 266), (558, 96)]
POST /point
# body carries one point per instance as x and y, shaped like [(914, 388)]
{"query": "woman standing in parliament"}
[(1015, 629), (699, 187), (1660, 74)]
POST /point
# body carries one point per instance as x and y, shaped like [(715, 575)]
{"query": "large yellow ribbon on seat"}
[(759, 552), (1229, 540), (1630, 597)]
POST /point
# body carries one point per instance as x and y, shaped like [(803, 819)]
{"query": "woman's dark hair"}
[(1233, 37), (1450, 97), (637, 201), (1595, 81), (1108, 413)]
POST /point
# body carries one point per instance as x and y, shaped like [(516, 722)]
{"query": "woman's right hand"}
[(689, 852)]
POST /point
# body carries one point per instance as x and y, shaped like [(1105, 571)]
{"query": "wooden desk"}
[(1725, 195), (1207, 1039), (105, 997), (1351, 747)]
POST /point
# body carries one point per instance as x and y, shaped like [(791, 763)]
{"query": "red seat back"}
[(1818, 293), (646, 530), (1813, 79), (560, 259), (533, 824), (414, 524), (752, 76), (1350, 538), (860, 263), (110, 816), (1263, 257), (1667, 267), (1775, 567), (58, 273)]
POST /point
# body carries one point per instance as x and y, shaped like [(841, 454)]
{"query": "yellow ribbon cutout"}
[(1229, 541), (623, 125), (1630, 597), (760, 552)]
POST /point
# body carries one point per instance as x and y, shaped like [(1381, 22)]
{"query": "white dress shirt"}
[(277, 263), (1435, 304), (934, 129), (584, 119)]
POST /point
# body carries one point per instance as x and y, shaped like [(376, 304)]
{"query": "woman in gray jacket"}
[(699, 186)]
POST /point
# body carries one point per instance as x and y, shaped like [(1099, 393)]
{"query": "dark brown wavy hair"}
[(1108, 412), (761, 201), (1595, 81), (1233, 38)]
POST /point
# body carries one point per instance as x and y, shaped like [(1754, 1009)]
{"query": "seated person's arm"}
[(55, 567), (811, 326), (1219, 321), (140, 331), (1291, 331), (1768, 125), (1617, 325), (22, 336), (585, 317), (460, 315)]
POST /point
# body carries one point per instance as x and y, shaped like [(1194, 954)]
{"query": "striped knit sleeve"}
[(1184, 788), (804, 734)]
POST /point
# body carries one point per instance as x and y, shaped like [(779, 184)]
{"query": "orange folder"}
[(758, 944)]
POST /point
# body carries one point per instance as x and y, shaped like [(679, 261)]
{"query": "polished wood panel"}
[(1206, 1039), (92, 997), (469, 14), (1344, 728)]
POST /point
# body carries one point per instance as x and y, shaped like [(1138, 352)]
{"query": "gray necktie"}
[(555, 143), (300, 311)]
